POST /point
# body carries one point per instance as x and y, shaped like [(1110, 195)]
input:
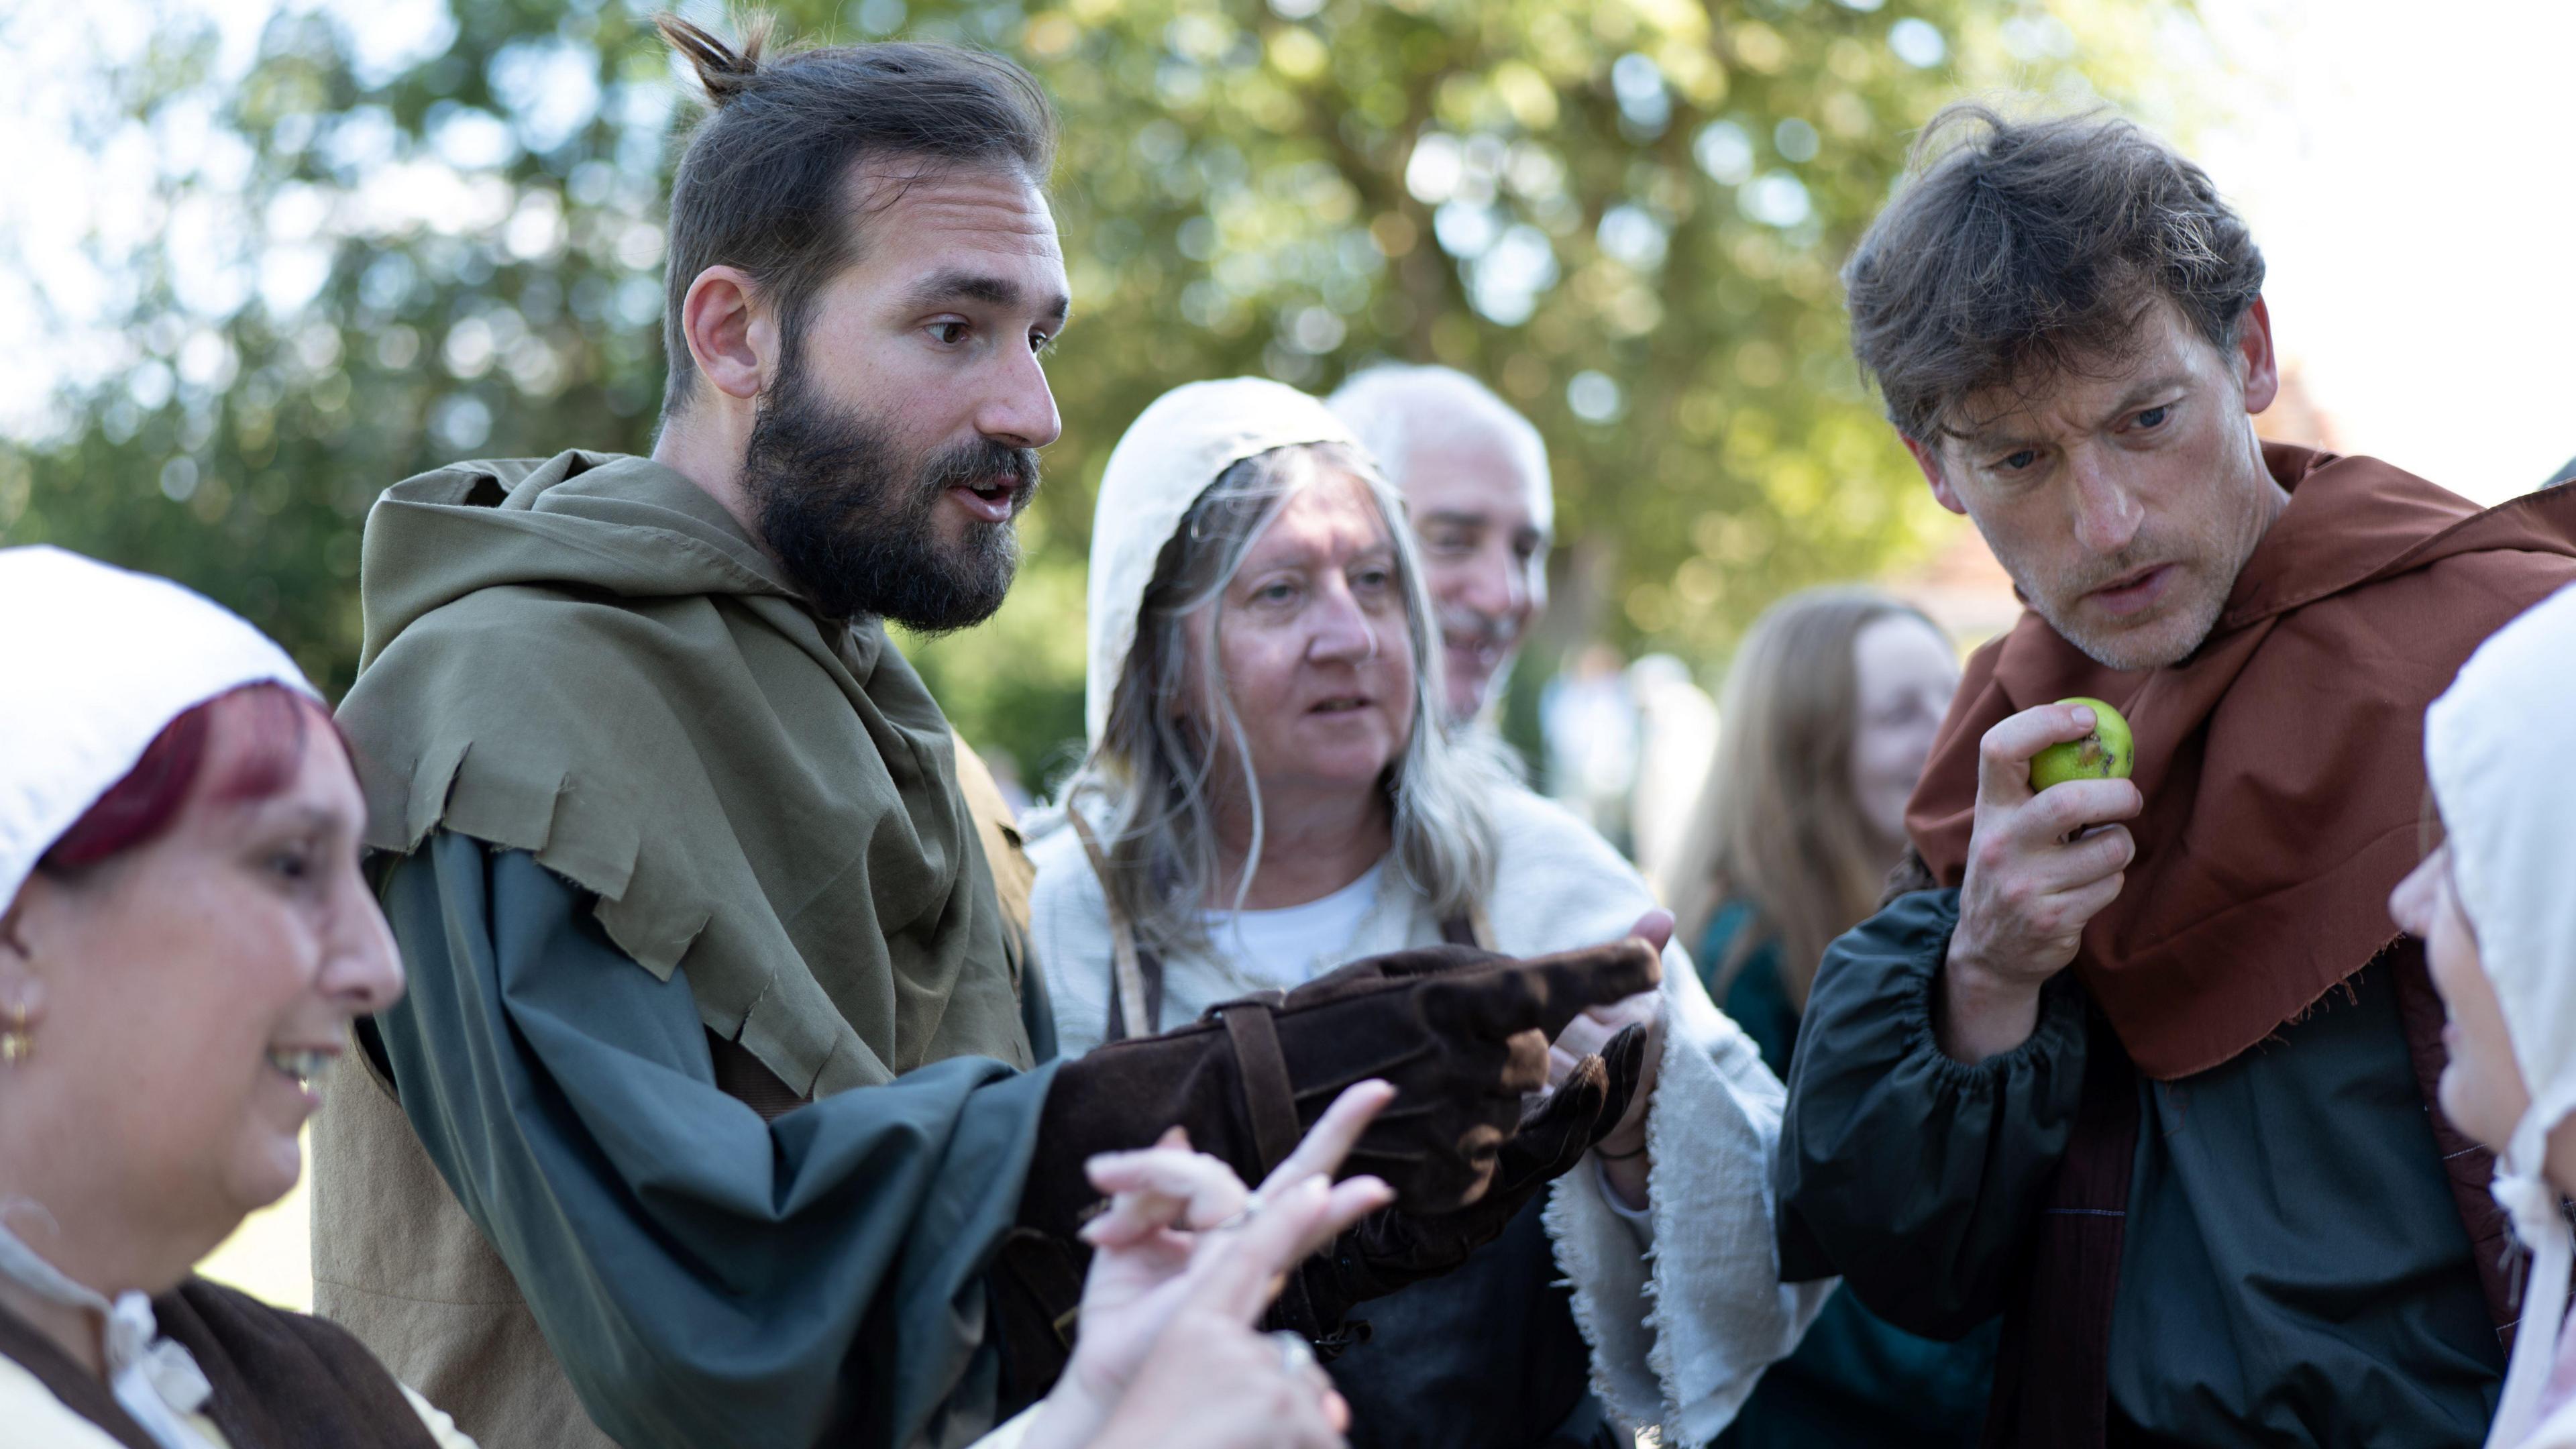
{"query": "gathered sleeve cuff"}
[(1913, 1175), (1684, 1311)]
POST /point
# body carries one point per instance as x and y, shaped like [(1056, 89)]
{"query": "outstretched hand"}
[(1185, 1258)]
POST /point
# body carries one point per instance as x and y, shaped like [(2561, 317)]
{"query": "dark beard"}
[(858, 535)]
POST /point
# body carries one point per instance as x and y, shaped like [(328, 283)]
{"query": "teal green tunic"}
[(706, 1278), (2293, 1269), (1856, 1380)]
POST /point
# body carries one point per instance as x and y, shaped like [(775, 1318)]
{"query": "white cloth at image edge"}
[(2494, 747)]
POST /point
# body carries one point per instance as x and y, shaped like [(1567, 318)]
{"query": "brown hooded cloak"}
[(2282, 762)]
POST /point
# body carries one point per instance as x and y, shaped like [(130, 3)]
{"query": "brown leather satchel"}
[(1461, 1033)]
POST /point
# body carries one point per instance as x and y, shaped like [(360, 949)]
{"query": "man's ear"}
[(1927, 457), (733, 339), (2256, 365)]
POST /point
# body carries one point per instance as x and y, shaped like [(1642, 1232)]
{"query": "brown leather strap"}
[(1135, 974), (1149, 1018), (1269, 1096)]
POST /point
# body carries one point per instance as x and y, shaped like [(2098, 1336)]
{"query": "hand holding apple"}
[(2037, 872)]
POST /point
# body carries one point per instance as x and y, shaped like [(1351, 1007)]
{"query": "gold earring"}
[(17, 1043)]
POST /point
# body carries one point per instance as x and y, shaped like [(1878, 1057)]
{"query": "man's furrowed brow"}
[(1993, 440), (2145, 393), (949, 287)]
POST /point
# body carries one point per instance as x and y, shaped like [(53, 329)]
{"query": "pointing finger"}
[(1320, 1152), (1231, 1272)]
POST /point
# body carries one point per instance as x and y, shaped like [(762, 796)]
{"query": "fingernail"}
[(2083, 717)]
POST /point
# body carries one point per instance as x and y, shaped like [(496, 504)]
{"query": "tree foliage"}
[(1625, 214)]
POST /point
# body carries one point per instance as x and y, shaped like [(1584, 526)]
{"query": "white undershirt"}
[(1293, 945)]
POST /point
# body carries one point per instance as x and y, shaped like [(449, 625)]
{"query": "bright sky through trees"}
[(355, 238)]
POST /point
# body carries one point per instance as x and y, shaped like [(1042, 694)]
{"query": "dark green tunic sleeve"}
[(706, 1278), (2294, 1270), (1855, 1381), (1914, 1176)]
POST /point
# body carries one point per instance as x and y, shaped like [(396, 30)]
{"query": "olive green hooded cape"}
[(586, 658)]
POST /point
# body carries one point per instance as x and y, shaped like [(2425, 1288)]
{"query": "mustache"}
[(980, 461), (1476, 626)]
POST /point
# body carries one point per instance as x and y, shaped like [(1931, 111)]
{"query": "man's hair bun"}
[(725, 71)]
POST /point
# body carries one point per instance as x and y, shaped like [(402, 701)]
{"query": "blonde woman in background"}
[(1828, 713)]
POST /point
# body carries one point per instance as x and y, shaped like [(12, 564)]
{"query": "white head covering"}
[(94, 662), (2494, 745), (1171, 453)]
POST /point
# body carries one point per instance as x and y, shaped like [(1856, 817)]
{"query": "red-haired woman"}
[(184, 942)]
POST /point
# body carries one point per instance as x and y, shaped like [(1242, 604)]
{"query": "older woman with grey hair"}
[(1267, 797)]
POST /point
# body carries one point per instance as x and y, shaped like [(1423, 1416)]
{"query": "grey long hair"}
[(1153, 765)]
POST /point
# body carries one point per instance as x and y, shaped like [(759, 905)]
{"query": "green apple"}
[(2105, 754)]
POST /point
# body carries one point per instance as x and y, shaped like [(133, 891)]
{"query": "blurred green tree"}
[(372, 258)]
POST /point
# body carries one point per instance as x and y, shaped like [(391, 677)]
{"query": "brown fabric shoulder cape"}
[(2283, 762)]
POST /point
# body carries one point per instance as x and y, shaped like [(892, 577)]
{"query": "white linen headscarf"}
[(2495, 746), (94, 663), (1170, 455)]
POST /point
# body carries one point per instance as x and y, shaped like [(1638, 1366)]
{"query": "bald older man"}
[(1474, 474)]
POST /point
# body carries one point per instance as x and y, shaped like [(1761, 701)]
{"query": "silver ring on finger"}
[(1242, 1215), (1296, 1355)]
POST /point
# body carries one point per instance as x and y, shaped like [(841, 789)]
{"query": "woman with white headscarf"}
[(185, 939), (2495, 903), (1267, 797)]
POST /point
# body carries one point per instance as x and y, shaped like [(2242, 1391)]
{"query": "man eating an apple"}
[(2199, 1174)]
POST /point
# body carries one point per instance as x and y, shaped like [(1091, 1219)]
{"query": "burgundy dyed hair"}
[(274, 723)]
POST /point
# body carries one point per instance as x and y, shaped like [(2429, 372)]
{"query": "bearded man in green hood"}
[(714, 1115)]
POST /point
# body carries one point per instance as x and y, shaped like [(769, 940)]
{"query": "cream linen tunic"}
[(1684, 1309)]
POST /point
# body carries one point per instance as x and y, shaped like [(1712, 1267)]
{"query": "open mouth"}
[(1340, 704), (991, 500), (300, 1066)]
